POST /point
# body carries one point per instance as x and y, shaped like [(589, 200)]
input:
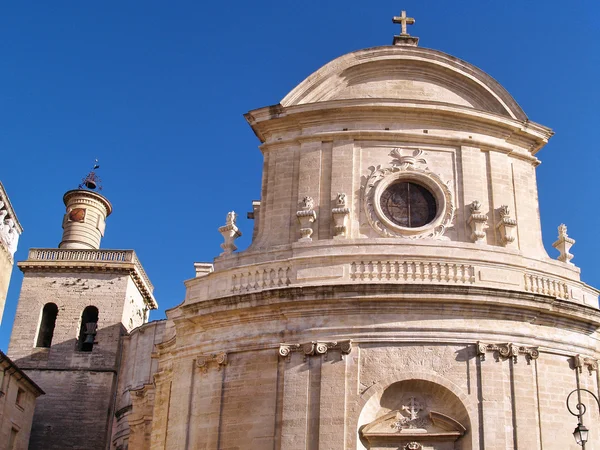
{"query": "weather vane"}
[(92, 181)]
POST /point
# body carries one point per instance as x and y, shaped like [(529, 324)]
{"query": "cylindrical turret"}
[(85, 219)]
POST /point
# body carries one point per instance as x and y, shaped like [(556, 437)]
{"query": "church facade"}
[(396, 294)]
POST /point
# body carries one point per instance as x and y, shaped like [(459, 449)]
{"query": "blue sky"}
[(156, 91)]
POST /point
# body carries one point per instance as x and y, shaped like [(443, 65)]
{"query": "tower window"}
[(20, 397), (47, 324), (87, 331)]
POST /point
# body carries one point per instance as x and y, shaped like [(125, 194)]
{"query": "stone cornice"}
[(81, 261), (8, 206), (87, 196), (278, 118), (383, 298)]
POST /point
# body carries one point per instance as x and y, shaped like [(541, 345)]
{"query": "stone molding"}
[(88, 198), (579, 362), (507, 350), (203, 361), (315, 348), (408, 168)]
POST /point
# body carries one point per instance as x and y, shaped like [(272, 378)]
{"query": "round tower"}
[(85, 219)]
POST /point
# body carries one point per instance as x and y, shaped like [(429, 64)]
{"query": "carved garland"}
[(405, 168), (315, 348), (507, 350)]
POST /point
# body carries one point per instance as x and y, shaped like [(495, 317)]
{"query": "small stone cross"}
[(413, 408), (403, 20)]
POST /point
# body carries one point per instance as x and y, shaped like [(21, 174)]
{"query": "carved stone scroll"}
[(315, 348), (340, 217), (478, 222), (507, 350), (202, 361), (506, 226), (579, 362), (306, 216)]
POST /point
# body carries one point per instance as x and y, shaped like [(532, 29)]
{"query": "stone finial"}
[(340, 216), (564, 244), (506, 226), (306, 217), (478, 222), (404, 38), (230, 233)]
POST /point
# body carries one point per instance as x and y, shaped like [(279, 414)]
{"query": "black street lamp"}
[(581, 432)]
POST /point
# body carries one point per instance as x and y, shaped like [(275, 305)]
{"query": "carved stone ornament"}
[(506, 351), (9, 235), (478, 222), (230, 233), (340, 217), (408, 165), (579, 362), (506, 226), (203, 361), (315, 348), (413, 446), (564, 244), (306, 217)]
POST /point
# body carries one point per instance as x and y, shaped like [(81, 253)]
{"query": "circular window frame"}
[(381, 179)]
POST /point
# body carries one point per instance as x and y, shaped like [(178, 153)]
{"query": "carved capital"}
[(579, 362), (507, 350), (203, 361), (315, 348)]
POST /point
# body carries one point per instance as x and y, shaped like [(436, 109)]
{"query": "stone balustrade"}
[(92, 256)]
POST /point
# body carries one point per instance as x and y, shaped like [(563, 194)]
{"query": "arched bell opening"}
[(87, 329), (414, 415)]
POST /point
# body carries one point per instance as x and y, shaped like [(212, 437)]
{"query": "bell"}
[(90, 183), (89, 339)]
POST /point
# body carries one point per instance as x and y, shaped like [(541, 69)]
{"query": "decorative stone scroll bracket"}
[(564, 244), (506, 226), (306, 216), (230, 233), (478, 222), (203, 361), (506, 351), (340, 217), (579, 362), (315, 348)]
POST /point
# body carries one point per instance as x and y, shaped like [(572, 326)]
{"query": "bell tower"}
[(77, 302)]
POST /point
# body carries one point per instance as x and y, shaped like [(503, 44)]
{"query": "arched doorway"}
[(414, 415)]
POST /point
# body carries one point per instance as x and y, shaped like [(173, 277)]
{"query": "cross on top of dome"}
[(404, 38)]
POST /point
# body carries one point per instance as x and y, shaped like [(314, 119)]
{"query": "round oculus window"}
[(408, 204)]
